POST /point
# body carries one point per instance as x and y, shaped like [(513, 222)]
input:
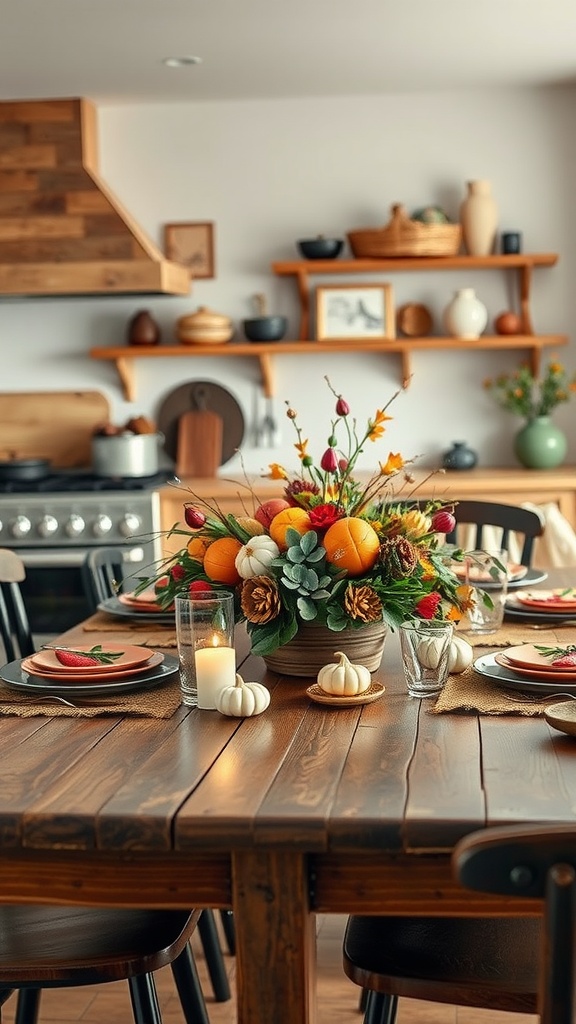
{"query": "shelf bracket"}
[(304, 294), (125, 369), (267, 371), (525, 285)]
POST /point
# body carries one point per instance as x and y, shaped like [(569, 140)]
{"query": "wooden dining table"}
[(304, 809)]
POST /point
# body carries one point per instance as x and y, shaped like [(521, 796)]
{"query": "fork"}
[(552, 625), (526, 698)]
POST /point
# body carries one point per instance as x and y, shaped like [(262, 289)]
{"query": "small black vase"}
[(459, 456)]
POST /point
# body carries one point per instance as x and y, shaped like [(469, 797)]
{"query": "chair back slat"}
[(102, 574), (529, 861), (14, 624), (507, 518)]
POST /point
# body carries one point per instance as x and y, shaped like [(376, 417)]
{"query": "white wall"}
[(268, 173)]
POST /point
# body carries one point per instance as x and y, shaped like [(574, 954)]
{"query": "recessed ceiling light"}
[(181, 62)]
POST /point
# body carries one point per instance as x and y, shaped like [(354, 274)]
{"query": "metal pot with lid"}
[(129, 451)]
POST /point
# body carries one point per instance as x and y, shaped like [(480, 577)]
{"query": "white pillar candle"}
[(215, 669)]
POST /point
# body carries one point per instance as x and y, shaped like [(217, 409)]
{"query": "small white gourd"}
[(243, 700), (429, 651), (255, 556), (461, 654), (343, 679)]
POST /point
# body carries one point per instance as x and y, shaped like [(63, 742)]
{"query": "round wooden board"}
[(374, 691), (414, 320)]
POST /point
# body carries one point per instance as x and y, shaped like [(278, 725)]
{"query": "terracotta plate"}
[(317, 694), (113, 606), (487, 666), (528, 656), (130, 657), (69, 675), (550, 676), (18, 679), (553, 600)]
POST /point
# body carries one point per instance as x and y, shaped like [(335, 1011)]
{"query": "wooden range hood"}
[(62, 231)]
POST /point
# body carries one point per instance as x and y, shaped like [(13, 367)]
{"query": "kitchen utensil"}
[(270, 431), (24, 469), (562, 716), (264, 327), (320, 248), (126, 454), (218, 400), (200, 432)]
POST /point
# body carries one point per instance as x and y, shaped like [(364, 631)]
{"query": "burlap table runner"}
[(470, 691)]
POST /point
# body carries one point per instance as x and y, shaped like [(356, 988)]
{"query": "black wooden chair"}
[(521, 965), (508, 519), (103, 572), (43, 946)]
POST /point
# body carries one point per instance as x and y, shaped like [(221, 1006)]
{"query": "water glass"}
[(486, 573), (425, 647), (205, 638)]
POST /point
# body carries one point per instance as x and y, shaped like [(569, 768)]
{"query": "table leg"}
[(275, 938)]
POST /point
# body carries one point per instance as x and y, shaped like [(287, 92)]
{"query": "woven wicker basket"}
[(405, 237)]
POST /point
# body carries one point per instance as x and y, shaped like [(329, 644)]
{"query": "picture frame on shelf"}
[(345, 312), (192, 245)]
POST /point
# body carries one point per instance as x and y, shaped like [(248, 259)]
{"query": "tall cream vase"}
[(479, 219)]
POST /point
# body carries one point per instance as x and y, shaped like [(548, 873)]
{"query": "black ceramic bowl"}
[(265, 328), (320, 248)]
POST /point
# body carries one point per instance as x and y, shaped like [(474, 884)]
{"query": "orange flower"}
[(375, 426), (393, 463), (302, 448), (277, 472)]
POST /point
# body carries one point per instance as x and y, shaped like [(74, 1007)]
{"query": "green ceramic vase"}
[(539, 444)]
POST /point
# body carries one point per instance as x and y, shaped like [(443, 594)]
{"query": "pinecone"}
[(362, 603), (260, 599), (398, 557)]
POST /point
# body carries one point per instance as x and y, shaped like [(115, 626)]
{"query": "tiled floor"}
[(337, 997)]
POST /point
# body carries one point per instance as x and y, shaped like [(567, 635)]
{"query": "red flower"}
[(426, 607), (342, 407), (329, 461), (322, 516), (177, 573), (197, 586), (443, 521), (194, 517)]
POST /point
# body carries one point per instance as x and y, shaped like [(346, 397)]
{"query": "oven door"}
[(53, 592)]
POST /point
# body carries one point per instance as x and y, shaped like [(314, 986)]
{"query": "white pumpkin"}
[(461, 655), (255, 556), (343, 679), (429, 651), (243, 699)]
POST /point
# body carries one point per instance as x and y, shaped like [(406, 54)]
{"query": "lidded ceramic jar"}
[(465, 316), (204, 327)]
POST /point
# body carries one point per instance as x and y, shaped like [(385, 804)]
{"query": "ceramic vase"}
[(459, 456), (143, 329), (479, 219), (540, 445), (315, 646), (465, 315)]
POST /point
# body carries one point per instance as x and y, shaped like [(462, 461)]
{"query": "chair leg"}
[(28, 1006), (144, 999), (227, 919), (380, 1008), (214, 959), (187, 982)]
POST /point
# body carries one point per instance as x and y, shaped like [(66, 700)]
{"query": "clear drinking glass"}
[(425, 646), (486, 572), (205, 637)]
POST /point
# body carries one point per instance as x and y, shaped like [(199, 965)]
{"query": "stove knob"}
[(75, 525), (20, 527), (47, 526), (102, 525), (130, 524)]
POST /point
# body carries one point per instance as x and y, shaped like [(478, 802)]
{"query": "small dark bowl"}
[(320, 248), (265, 328)]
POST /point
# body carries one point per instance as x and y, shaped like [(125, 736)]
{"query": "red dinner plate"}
[(144, 602), (528, 656), (558, 678), (551, 600), (130, 657), (75, 676), (515, 572)]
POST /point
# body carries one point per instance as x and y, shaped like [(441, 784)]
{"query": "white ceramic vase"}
[(465, 315), (479, 219)]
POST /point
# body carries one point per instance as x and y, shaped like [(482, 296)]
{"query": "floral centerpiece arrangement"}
[(333, 551), (529, 396)]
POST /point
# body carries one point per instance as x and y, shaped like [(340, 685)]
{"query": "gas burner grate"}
[(74, 482)]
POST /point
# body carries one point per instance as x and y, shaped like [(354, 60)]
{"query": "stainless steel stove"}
[(53, 522)]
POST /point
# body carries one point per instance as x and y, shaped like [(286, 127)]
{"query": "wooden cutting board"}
[(199, 445), (55, 425)]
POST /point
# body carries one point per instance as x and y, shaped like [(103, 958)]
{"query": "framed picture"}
[(351, 311), (192, 245)]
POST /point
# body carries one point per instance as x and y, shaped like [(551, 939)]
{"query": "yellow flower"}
[(392, 464), (277, 472)]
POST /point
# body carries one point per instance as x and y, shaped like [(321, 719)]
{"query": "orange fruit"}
[(352, 544), (219, 560), (197, 547), (289, 518)]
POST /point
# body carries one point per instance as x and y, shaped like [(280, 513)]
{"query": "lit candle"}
[(215, 669)]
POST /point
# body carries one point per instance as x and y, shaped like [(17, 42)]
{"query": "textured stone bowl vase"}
[(315, 646)]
